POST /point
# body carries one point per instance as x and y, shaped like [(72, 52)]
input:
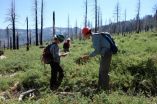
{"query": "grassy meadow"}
[(133, 74)]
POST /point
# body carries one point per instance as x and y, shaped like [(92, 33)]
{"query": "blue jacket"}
[(54, 49), (100, 45)]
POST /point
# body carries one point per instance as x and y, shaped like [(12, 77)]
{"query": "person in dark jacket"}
[(57, 73), (66, 45), (102, 47)]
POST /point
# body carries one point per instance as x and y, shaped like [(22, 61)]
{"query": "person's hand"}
[(85, 57), (63, 54), (82, 59)]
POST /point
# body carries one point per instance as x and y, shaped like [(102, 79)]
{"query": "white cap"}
[(68, 39)]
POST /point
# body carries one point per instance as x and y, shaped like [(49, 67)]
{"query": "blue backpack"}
[(114, 48)]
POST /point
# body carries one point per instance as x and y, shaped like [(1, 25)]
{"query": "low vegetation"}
[(133, 74)]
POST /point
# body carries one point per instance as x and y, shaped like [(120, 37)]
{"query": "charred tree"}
[(76, 29), (17, 40), (12, 18), (138, 24), (96, 16), (41, 30), (117, 13), (36, 21), (86, 7), (8, 36), (54, 23), (11, 44), (27, 44), (156, 19), (30, 38)]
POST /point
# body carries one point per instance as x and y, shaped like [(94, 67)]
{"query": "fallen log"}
[(2, 57), (23, 94), (65, 93)]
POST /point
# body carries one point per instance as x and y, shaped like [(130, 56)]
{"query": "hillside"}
[(133, 74), (47, 34)]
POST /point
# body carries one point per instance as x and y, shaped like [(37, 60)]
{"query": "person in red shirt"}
[(66, 45)]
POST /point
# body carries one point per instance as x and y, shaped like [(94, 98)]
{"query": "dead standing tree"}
[(27, 47), (86, 7), (156, 20), (12, 18), (155, 16), (96, 16), (8, 36), (54, 24), (11, 44), (36, 20), (138, 24), (30, 37), (17, 40), (117, 13), (76, 29), (41, 30)]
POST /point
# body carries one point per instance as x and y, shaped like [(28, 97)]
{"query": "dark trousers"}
[(56, 75), (66, 49), (103, 82)]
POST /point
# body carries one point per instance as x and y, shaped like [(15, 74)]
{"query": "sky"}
[(75, 9)]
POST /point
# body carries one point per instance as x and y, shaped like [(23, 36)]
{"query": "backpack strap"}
[(113, 46), (51, 45), (108, 38)]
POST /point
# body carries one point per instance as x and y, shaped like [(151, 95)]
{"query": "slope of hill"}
[(47, 34), (132, 75)]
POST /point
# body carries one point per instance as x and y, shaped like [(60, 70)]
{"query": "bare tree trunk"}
[(30, 39), (156, 20), (41, 31), (36, 21), (96, 13), (71, 34), (11, 44), (86, 6), (13, 23), (54, 23), (76, 29), (0, 45), (27, 47), (80, 35), (17, 40), (4, 45), (138, 27), (125, 22), (7, 32), (117, 17)]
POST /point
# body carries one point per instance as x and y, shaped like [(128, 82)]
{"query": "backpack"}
[(114, 48), (47, 57)]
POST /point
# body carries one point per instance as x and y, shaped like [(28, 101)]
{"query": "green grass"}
[(132, 75)]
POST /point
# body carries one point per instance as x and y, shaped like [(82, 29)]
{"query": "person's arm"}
[(96, 46), (63, 54)]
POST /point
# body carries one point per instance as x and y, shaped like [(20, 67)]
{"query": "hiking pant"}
[(66, 49), (103, 82), (56, 75)]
